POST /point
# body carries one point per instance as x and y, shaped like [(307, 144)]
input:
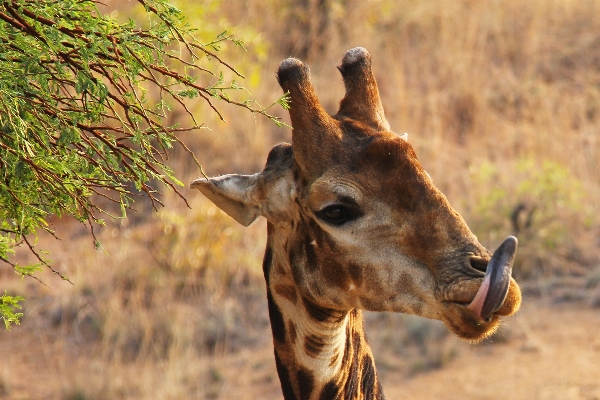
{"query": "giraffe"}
[(353, 223)]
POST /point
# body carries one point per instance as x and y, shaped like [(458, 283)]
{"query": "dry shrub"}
[(185, 286), (165, 293), (407, 344)]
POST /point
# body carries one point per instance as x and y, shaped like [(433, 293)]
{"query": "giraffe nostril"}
[(479, 263)]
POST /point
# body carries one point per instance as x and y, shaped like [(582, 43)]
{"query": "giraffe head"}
[(360, 221)]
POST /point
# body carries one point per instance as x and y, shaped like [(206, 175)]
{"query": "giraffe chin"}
[(468, 325)]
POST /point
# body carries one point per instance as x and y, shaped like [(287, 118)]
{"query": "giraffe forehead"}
[(389, 169), (382, 150), (385, 169)]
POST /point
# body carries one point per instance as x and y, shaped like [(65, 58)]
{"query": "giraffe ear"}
[(232, 194)]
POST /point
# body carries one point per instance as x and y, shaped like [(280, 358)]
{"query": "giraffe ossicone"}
[(353, 223)]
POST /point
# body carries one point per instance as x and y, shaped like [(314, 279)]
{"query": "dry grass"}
[(501, 101)]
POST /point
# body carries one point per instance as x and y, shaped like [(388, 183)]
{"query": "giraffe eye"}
[(336, 214)]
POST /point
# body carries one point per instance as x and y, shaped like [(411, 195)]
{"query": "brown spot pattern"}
[(407, 283), (334, 360), (292, 332), (313, 345), (321, 314), (305, 383), (330, 390), (334, 272), (287, 292), (356, 274), (277, 322), (284, 377), (267, 262)]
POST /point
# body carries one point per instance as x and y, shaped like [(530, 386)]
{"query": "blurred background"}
[(501, 100)]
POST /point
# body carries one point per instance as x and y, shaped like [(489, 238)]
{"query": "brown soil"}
[(556, 355), (547, 351)]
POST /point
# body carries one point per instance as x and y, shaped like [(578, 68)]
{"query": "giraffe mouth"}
[(492, 292)]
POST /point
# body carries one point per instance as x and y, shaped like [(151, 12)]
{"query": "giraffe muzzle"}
[(496, 282)]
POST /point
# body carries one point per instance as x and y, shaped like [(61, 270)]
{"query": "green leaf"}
[(8, 305), (85, 104)]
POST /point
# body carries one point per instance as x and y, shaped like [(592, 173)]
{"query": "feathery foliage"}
[(84, 104)]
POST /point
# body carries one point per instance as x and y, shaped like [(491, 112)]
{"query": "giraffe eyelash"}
[(338, 214)]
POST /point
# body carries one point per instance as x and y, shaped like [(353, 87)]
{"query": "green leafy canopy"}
[(76, 120)]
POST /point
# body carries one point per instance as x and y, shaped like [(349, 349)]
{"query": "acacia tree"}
[(76, 121)]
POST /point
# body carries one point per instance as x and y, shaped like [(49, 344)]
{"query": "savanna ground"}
[(501, 101)]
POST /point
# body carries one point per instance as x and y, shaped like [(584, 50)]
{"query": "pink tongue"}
[(493, 290)]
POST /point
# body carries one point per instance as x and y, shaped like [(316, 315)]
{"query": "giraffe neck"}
[(320, 353)]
